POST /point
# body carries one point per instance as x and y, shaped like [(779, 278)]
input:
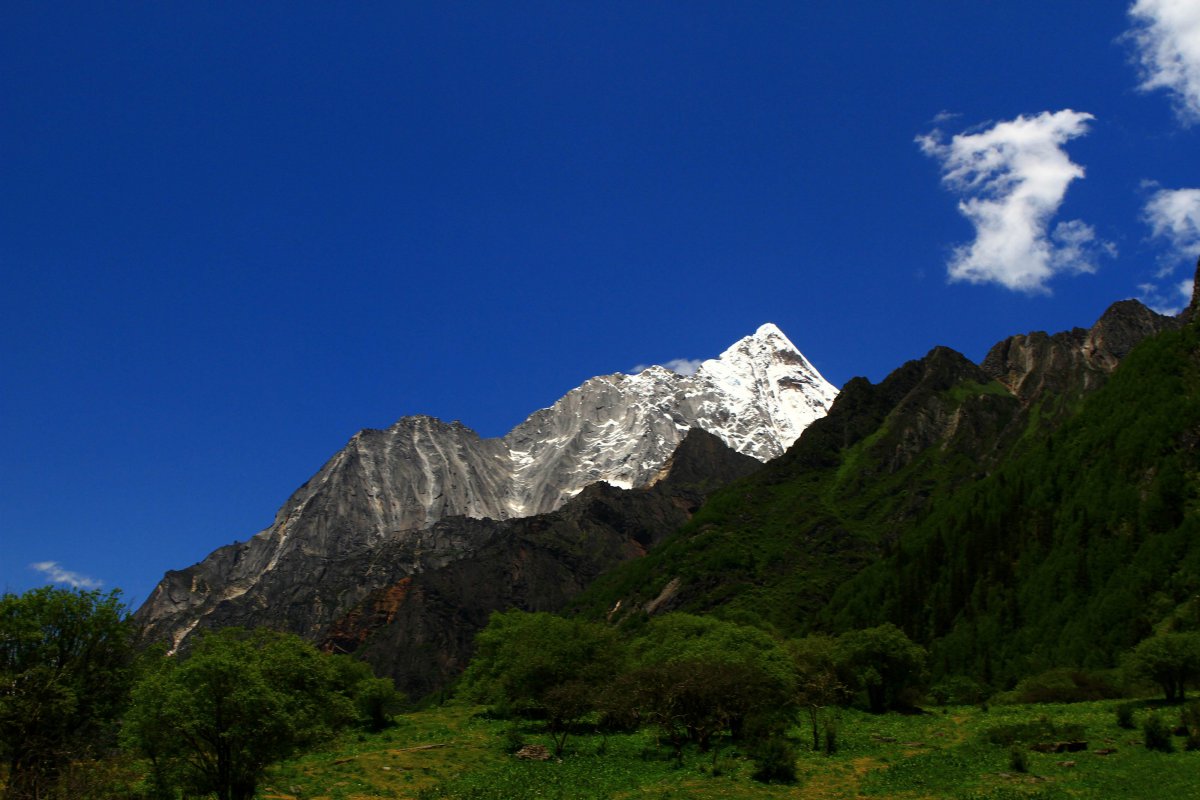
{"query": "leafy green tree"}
[(685, 637), (695, 700), (213, 720), (699, 676), (884, 663), (566, 704), (377, 700), (65, 660), (818, 685), (521, 656), (1172, 660)]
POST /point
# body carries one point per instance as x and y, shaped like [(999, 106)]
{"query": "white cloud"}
[(682, 366), (1167, 35), (54, 573), (1174, 215), (1168, 300), (1012, 178)]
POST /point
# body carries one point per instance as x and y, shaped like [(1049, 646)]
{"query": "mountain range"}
[(1034, 510), (422, 494)]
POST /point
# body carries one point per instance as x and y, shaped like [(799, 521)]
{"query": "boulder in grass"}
[(533, 752)]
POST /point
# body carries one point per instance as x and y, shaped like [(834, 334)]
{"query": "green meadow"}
[(457, 751)]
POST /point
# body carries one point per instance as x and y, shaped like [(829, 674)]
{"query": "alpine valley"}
[(1035, 510)]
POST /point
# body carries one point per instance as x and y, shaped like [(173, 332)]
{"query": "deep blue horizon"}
[(233, 235)]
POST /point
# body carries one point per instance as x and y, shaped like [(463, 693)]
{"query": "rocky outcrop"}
[(1035, 364), (903, 415)]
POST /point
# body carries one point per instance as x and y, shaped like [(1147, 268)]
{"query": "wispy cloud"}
[(682, 366), (1169, 299), (1174, 216), (945, 116), (1167, 35), (54, 573), (1012, 178)]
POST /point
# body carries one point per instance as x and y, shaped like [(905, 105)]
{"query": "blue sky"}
[(233, 234)]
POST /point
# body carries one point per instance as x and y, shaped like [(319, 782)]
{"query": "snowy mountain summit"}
[(757, 396), (765, 393), (384, 485)]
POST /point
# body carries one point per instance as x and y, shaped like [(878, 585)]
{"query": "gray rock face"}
[(1075, 360), (412, 604), (394, 485), (420, 627)]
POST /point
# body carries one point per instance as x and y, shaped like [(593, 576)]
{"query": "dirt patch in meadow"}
[(838, 780)]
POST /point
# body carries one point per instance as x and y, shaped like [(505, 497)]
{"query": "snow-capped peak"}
[(757, 396), (769, 389)]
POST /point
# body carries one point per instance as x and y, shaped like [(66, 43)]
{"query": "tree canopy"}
[(64, 675), (1172, 660), (686, 637), (213, 720), (521, 656), (884, 663)]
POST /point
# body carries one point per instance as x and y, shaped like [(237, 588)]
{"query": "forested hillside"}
[(1011, 519)]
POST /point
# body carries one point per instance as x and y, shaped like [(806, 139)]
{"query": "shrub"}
[(959, 690), (1156, 734), (1124, 713), (1063, 686), (377, 701), (513, 741), (775, 762), (723, 766), (1018, 759), (1040, 730), (1189, 717), (831, 736)]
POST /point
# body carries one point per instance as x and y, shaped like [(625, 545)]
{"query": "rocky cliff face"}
[(1078, 360), (392, 487), (411, 605), (419, 627)]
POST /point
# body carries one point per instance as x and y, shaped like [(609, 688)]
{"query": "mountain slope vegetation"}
[(1029, 513)]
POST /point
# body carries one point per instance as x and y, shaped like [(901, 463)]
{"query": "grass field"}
[(454, 752)]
